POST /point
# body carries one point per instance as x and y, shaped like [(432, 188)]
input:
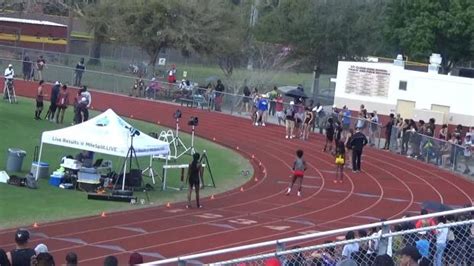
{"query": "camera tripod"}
[(129, 159), (9, 91), (177, 142)]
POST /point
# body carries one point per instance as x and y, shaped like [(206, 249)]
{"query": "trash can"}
[(15, 159)]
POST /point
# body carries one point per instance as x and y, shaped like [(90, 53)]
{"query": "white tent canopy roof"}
[(106, 133)]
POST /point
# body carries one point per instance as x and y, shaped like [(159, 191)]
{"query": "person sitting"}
[(85, 157)]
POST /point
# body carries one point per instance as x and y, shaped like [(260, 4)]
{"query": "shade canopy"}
[(106, 133)]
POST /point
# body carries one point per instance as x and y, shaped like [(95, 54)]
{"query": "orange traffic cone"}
[(256, 179), (260, 164), (242, 189), (168, 205), (131, 116), (238, 148), (264, 171), (35, 225), (102, 214), (212, 197), (253, 156), (213, 139)]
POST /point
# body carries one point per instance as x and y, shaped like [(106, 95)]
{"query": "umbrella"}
[(296, 93), (285, 89)]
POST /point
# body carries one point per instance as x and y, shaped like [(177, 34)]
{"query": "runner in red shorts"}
[(299, 166)]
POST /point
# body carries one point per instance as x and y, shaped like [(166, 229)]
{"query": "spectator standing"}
[(318, 109), (351, 248), (467, 152), (194, 177), (290, 120), (40, 67), (308, 121), (8, 75), (441, 240), (406, 132), (299, 167), (39, 100), (78, 72), (21, 255), (53, 99), (86, 101), (346, 120), (172, 74), (279, 109), (246, 99), (358, 141), (27, 68), (62, 103), (271, 97), (219, 96), (347, 143), (388, 131), (262, 105), (373, 127), (329, 135)]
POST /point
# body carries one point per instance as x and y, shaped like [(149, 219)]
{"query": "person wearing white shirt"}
[(350, 248), (441, 238), (9, 74)]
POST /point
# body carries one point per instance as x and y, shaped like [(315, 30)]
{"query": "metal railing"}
[(383, 232)]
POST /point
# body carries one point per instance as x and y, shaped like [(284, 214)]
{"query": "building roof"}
[(31, 21)]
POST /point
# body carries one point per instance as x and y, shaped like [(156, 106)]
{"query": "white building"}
[(390, 88)]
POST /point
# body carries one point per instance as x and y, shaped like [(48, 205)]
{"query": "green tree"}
[(418, 28), (323, 32), (99, 18)]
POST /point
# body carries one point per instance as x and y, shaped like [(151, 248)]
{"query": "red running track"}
[(389, 186)]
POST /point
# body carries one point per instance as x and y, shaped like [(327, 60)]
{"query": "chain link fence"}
[(443, 238)]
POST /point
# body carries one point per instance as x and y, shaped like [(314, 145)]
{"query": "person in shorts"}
[(307, 123), (340, 158), (290, 120), (194, 179), (299, 167), (329, 135), (262, 113), (39, 100), (280, 114)]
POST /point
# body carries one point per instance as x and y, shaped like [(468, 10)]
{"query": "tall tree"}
[(419, 27), (99, 18), (322, 32)]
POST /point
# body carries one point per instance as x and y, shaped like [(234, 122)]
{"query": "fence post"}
[(383, 242), (281, 247)]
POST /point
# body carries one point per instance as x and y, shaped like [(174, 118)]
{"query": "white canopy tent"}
[(106, 133)]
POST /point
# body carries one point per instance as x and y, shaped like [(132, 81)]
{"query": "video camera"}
[(133, 131), (177, 114), (193, 121)]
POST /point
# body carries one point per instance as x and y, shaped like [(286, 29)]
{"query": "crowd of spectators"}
[(442, 246), (24, 255)]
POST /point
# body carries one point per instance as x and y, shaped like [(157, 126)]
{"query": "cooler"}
[(43, 169), (55, 180)]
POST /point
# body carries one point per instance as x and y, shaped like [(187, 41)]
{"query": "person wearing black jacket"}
[(54, 98), (358, 141)]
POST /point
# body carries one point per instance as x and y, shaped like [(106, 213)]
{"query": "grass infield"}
[(20, 206)]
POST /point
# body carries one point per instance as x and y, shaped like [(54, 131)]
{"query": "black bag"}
[(17, 181)]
